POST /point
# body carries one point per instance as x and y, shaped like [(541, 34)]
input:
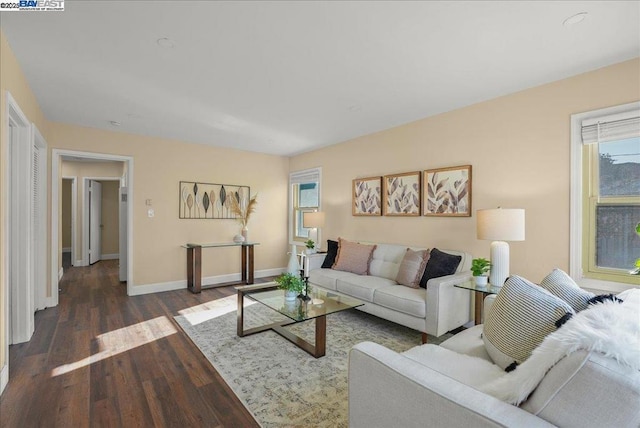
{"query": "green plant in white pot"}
[(291, 284), (311, 246), (480, 268)]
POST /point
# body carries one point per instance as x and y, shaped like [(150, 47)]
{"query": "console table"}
[(194, 262)]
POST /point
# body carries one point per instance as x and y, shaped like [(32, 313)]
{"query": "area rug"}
[(280, 384)]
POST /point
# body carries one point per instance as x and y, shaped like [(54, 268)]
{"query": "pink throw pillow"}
[(353, 257), (412, 267)]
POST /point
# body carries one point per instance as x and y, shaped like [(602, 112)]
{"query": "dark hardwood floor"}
[(103, 359)]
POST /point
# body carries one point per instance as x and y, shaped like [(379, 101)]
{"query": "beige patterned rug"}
[(280, 384)]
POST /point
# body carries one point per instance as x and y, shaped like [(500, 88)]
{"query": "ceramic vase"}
[(245, 233), (290, 296), (293, 267)]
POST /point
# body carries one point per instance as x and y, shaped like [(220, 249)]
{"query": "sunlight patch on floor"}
[(213, 309), (122, 340)]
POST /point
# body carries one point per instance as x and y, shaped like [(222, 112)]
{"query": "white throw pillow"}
[(522, 315), (563, 286)]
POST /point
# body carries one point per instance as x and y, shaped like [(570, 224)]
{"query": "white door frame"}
[(18, 175), (85, 214), (56, 159), (39, 254), (74, 211), (19, 326)]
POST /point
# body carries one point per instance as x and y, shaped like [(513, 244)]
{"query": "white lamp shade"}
[(313, 219), (501, 224)]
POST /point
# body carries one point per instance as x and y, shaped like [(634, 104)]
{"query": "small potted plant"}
[(291, 284), (479, 268), (311, 246), (636, 271)]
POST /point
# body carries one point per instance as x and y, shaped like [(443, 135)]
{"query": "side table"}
[(480, 292)]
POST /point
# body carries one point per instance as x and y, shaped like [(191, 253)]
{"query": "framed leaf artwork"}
[(210, 200), (367, 196), (448, 191), (401, 194)]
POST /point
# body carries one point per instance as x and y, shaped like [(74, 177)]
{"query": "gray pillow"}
[(522, 315), (563, 286)]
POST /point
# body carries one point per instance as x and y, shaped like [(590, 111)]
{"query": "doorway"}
[(102, 229), (68, 213), (25, 242), (125, 179), (25, 232)]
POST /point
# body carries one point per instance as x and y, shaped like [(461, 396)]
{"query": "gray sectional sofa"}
[(436, 310), (592, 381)]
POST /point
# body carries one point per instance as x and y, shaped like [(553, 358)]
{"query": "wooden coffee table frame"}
[(317, 350)]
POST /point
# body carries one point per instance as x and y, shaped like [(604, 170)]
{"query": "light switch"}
[(151, 212)]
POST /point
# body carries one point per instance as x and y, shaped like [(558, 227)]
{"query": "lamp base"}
[(499, 263)]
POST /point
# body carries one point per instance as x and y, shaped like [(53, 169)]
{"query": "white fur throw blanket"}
[(610, 328)]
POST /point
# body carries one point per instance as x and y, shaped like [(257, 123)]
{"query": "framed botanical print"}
[(401, 194), (367, 197), (448, 191)]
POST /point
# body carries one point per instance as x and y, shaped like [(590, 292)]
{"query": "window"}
[(305, 197), (609, 207)]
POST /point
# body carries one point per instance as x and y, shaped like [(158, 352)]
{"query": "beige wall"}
[(159, 165), (519, 146), (110, 213), (11, 79), (82, 170), (65, 213)]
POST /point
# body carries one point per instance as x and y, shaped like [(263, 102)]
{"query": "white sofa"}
[(443, 385), (438, 309)]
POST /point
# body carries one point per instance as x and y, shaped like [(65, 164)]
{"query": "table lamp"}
[(499, 225), (313, 221)]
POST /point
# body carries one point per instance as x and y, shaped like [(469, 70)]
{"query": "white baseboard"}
[(51, 302), (66, 249), (158, 287), (110, 256), (80, 263), (4, 376), (60, 273)]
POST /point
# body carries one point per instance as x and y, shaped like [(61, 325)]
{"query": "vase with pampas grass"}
[(242, 211)]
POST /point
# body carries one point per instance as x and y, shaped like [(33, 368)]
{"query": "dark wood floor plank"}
[(103, 359)]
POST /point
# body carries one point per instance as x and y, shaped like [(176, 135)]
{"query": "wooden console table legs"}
[(247, 264), (194, 266)]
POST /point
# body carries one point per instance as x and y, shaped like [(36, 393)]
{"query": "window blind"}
[(305, 176), (611, 128)]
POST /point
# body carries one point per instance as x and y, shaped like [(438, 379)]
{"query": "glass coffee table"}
[(322, 303)]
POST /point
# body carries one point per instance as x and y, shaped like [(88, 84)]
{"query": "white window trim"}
[(575, 240), (293, 178)]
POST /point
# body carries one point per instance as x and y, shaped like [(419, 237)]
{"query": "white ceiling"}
[(288, 77)]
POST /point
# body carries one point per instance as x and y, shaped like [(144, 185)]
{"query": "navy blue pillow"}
[(439, 264), (332, 252)]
